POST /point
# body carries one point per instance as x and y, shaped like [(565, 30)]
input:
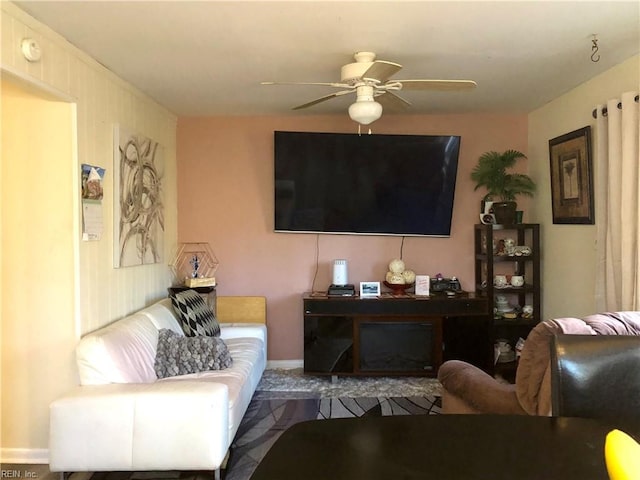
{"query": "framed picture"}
[(572, 177), (369, 289)]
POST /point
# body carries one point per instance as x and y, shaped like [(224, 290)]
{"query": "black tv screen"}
[(365, 184)]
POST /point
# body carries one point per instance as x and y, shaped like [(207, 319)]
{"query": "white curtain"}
[(617, 162)]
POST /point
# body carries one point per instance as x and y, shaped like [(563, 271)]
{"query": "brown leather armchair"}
[(468, 389), (595, 376)]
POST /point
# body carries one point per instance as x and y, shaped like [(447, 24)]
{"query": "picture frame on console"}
[(572, 178), (369, 289)]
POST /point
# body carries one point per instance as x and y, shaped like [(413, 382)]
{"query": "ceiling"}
[(209, 57)]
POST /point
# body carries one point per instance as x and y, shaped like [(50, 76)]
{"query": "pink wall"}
[(225, 197)]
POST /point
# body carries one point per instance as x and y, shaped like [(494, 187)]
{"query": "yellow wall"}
[(569, 251), (38, 261), (100, 100)]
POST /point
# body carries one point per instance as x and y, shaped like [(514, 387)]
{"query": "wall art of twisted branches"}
[(138, 199)]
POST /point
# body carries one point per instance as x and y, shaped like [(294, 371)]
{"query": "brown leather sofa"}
[(468, 389)]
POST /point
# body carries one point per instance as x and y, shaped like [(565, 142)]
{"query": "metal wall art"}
[(138, 199)]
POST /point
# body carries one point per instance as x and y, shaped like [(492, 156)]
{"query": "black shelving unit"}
[(489, 262)]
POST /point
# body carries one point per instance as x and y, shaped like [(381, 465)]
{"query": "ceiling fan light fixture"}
[(365, 111), (371, 78)]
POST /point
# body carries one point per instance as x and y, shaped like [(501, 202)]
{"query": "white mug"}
[(517, 280), (500, 281)]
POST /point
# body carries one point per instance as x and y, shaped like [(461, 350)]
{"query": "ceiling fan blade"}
[(323, 84), (381, 70), (322, 99), (392, 102), (443, 85)]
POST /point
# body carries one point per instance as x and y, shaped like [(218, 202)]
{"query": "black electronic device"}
[(364, 184), (445, 284), (341, 290)]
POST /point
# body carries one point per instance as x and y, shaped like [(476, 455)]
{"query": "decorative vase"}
[(505, 212)]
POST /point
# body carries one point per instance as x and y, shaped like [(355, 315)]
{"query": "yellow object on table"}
[(622, 456)]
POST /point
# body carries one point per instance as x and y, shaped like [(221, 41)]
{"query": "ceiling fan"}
[(370, 80)]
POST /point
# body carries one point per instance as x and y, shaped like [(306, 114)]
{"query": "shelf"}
[(513, 322), (506, 365), (514, 226), (523, 289), (505, 258)]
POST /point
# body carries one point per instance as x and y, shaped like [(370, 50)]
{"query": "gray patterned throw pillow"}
[(195, 315), (178, 355)]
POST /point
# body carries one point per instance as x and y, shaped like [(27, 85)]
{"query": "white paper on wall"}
[(92, 193)]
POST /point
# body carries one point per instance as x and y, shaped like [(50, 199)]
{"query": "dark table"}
[(440, 447)]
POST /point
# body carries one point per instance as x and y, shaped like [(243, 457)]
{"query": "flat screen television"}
[(365, 184)]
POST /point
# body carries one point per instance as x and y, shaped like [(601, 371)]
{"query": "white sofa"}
[(123, 418)]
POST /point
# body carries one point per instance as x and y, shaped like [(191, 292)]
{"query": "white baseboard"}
[(284, 364), (24, 455)]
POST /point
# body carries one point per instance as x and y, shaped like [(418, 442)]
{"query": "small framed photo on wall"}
[(369, 289)]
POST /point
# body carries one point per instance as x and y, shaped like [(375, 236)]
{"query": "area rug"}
[(267, 419), (293, 383), (285, 397)]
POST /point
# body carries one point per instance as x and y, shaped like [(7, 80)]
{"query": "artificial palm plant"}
[(491, 173)]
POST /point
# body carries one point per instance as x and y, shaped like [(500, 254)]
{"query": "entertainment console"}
[(391, 334)]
